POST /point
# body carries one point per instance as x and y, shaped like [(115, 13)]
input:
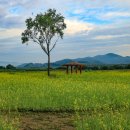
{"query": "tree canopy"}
[(43, 28)]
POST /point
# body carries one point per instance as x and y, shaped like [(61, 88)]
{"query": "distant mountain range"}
[(108, 59)]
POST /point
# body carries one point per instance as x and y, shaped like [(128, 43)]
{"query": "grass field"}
[(99, 99)]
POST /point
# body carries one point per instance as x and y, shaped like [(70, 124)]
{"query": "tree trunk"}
[(48, 64)]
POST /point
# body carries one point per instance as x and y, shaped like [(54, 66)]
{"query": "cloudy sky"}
[(93, 27)]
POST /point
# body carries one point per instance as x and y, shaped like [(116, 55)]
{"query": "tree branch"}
[(36, 40), (44, 49), (54, 44)]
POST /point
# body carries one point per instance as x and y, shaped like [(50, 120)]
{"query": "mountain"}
[(110, 58), (107, 59), (38, 65), (31, 65), (88, 60)]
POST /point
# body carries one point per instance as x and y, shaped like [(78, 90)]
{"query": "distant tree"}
[(9, 66), (95, 68), (2, 67), (128, 66), (42, 29), (115, 67), (104, 67)]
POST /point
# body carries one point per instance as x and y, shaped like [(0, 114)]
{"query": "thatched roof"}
[(73, 64)]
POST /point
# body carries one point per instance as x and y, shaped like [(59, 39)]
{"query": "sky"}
[(94, 27)]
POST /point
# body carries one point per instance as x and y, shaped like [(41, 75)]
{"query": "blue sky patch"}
[(16, 10)]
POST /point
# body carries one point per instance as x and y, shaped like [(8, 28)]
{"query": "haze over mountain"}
[(107, 59)]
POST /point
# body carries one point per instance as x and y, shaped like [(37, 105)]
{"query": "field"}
[(94, 100)]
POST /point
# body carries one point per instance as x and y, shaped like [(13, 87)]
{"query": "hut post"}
[(76, 67), (71, 69), (80, 69), (67, 69), (73, 65)]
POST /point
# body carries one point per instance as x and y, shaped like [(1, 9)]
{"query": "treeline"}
[(9, 66), (87, 67), (108, 67)]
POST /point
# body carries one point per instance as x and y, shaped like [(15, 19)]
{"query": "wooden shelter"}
[(74, 65)]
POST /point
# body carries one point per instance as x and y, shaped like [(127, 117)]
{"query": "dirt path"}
[(46, 121)]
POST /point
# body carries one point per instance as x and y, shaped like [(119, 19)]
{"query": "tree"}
[(2, 67), (9, 66), (44, 29)]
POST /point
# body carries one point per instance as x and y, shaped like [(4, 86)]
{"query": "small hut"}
[(74, 65)]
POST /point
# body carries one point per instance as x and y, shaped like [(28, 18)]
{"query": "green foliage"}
[(9, 66), (43, 28), (108, 67), (2, 67), (127, 66)]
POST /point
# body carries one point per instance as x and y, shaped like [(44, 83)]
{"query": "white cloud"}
[(6, 33), (123, 2), (78, 11), (108, 37), (75, 26), (111, 15)]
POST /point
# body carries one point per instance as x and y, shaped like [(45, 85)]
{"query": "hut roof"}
[(73, 64)]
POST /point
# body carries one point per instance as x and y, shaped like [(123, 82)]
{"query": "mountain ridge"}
[(107, 59)]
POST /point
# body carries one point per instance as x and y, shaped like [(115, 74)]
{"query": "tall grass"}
[(99, 92), (112, 120), (91, 90)]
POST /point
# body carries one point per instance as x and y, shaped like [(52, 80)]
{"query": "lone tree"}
[(45, 29)]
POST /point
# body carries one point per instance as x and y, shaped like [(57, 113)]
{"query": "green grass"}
[(93, 91), (112, 120)]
